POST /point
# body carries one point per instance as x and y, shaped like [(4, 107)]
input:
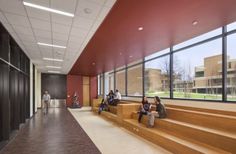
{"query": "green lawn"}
[(190, 95)]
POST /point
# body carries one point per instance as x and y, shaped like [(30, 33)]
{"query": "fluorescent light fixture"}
[(52, 59), (54, 67), (51, 45), (54, 71), (48, 9)]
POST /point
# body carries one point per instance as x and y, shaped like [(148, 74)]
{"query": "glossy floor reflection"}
[(55, 133)]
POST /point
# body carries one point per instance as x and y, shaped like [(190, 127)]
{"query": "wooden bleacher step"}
[(214, 111), (169, 141), (210, 120)]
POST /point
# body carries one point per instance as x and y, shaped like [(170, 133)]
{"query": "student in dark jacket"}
[(159, 113), (144, 109)]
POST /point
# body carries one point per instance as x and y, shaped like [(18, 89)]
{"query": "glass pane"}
[(111, 81), (231, 26), (157, 81), (231, 68), (101, 82), (199, 38), (135, 81), (156, 54), (120, 81), (98, 84), (197, 72)]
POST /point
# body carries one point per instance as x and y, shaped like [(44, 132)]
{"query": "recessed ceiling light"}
[(52, 59), (130, 56), (51, 45), (48, 9), (93, 63), (194, 23), (87, 10), (140, 28), (54, 67), (54, 71)]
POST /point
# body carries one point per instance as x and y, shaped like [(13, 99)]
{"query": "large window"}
[(120, 81), (111, 81), (199, 38), (231, 67), (231, 26), (197, 72), (99, 92), (157, 77), (101, 84), (135, 81)]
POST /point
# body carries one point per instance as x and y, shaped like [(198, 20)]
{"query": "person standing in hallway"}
[(46, 100)]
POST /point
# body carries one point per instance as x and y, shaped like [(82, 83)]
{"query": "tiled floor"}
[(55, 133), (111, 139)]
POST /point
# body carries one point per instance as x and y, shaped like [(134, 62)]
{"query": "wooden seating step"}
[(210, 120), (112, 109), (169, 141), (214, 111), (220, 139)]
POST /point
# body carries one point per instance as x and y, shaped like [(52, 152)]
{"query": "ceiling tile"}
[(83, 23), (42, 33), (75, 39), (99, 2), (64, 5), (78, 32), (17, 20), (27, 38), (58, 28), (45, 49), (93, 7), (110, 3), (39, 2), (59, 42), (41, 39), (59, 36), (56, 18), (23, 30), (2, 18), (40, 24), (8, 27), (39, 14), (12, 6)]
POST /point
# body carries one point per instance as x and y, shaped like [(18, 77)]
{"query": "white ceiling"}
[(29, 26)]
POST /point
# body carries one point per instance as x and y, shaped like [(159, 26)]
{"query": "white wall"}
[(38, 89), (106, 84), (31, 89)]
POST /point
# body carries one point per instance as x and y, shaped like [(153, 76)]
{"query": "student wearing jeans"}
[(46, 100), (145, 108), (159, 113)]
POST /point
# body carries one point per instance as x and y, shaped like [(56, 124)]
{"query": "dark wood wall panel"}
[(14, 85), (55, 84), (4, 97)]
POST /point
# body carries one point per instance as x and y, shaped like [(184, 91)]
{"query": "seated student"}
[(103, 106), (145, 108), (159, 113), (117, 98), (110, 97)]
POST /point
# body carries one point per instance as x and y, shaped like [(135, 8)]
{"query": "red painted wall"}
[(74, 84), (93, 88)]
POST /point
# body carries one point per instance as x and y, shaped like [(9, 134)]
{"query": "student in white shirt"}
[(46, 100), (117, 97)]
